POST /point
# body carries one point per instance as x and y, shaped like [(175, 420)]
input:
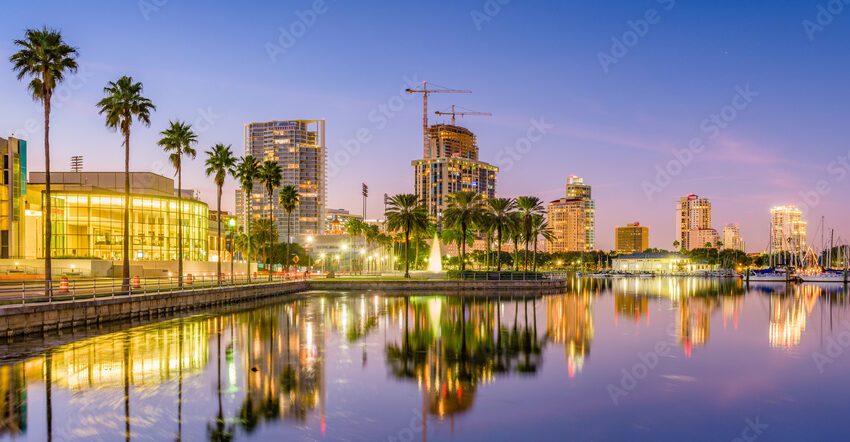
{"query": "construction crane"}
[(465, 112), (425, 92)]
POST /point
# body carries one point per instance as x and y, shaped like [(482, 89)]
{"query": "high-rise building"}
[(631, 238), (788, 230), (298, 146), (451, 165), (567, 222), (576, 188), (13, 188), (693, 222), (732, 237)]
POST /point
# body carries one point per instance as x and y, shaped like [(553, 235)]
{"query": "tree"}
[(220, 162), (515, 231), (676, 245), (265, 233), (406, 213), (270, 175), (539, 227), (463, 212), (122, 104), (501, 210), (177, 140), (289, 199), (44, 57), (528, 206), (247, 170)]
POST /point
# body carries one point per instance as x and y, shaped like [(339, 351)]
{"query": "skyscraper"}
[(567, 222), (577, 189), (298, 146), (631, 238), (693, 222), (732, 237), (788, 230), (451, 165), (13, 188)]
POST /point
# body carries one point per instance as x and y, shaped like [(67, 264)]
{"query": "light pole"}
[(231, 226)]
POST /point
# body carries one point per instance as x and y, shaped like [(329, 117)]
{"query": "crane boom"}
[(454, 113), (425, 92)]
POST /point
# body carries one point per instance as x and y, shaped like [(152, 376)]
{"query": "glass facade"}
[(90, 225)]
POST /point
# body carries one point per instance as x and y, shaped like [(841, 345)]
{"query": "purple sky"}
[(758, 88)]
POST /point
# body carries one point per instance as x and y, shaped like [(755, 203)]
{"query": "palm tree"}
[(539, 227), (528, 206), (353, 227), (270, 175), (515, 232), (44, 56), (463, 212), (124, 102), (406, 213), (289, 199), (220, 162), (177, 140), (501, 210), (676, 245), (246, 171)]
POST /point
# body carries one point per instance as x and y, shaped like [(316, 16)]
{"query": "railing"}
[(504, 276), (66, 289)]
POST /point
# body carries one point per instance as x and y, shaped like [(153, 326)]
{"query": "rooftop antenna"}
[(77, 163)]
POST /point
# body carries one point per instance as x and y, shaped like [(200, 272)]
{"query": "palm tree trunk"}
[(248, 231), (270, 244), (218, 245), (534, 259), (125, 273), (499, 249), (463, 247), (407, 253), (288, 238), (48, 231), (179, 225)]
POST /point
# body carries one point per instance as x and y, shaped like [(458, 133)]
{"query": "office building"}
[(631, 238), (693, 222), (788, 230), (13, 187), (451, 165), (566, 218), (298, 146)]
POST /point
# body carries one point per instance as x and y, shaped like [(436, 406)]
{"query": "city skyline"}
[(773, 152)]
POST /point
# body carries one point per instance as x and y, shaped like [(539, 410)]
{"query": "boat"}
[(769, 275), (826, 275)]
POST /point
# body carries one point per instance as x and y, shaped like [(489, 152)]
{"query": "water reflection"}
[(269, 370)]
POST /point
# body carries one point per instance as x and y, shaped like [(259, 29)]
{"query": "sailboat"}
[(772, 273)]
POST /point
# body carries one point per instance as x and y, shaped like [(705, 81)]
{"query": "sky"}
[(743, 102)]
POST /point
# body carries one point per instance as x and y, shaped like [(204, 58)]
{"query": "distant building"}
[(658, 263), (567, 219), (732, 237), (576, 188), (693, 222), (227, 233), (451, 165), (336, 219), (788, 230), (631, 238), (13, 188), (298, 146)]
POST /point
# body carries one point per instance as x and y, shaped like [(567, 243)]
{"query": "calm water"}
[(660, 359)]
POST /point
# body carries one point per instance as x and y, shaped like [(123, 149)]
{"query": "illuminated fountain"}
[(435, 261)]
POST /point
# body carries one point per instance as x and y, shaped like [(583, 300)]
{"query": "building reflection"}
[(13, 406), (788, 314), (569, 322)]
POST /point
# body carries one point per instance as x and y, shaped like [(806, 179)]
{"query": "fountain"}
[(435, 261)]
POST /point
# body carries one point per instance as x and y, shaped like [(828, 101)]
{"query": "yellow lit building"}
[(658, 263), (788, 230), (631, 238), (576, 188), (13, 187), (693, 222), (88, 214), (567, 222)]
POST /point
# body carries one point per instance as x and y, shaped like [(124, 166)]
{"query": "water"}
[(657, 359)]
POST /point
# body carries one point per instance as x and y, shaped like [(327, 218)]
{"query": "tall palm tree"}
[(539, 228), (123, 103), (528, 206), (246, 171), (177, 140), (270, 175), (406, 213), (220, 162), (44, 57), (463, 212), (289, 199), (515, 233), (353, 227), (501, 210)]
